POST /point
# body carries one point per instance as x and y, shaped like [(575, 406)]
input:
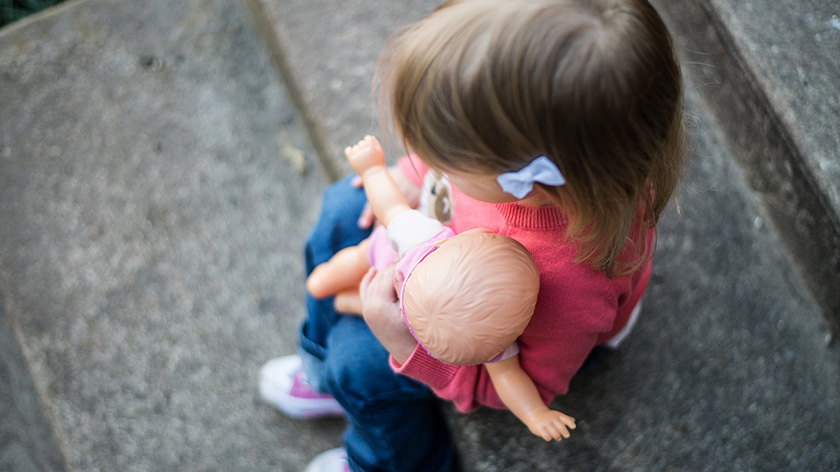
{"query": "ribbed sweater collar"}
[(531, 217)]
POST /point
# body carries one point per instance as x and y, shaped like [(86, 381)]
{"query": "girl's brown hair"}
[(486, 86)]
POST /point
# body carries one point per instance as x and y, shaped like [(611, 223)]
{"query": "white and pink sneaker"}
[(283, 383), (334, 460)]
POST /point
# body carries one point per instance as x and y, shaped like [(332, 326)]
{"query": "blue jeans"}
[(395, 423)]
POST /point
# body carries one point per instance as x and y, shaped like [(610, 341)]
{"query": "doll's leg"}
[(395, 423), (343, 271), (335, 229)]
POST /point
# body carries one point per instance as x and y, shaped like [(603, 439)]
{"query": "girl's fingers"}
[(366, 217), (381, 283), (363, 286)]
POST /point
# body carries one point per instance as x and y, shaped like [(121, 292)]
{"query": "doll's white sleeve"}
[(410, 228), (511, 351)]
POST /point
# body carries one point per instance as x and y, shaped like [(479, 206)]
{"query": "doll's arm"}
[(519, 394), (342, 272), (385, 197)]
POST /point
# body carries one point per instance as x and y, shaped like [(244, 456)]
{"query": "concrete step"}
[(152, 213), (151, 217), (769, 74), (26, 441)]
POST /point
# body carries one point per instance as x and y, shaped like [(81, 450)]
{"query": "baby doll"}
[(465, 298)]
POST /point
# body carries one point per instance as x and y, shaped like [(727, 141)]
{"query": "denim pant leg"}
[(335, 229), (395, 423)]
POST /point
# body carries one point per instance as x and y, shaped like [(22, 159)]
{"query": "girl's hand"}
[(406, 186), (381, 311), (551, 424)]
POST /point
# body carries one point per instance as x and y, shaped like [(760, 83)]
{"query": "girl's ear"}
[(438, 243)]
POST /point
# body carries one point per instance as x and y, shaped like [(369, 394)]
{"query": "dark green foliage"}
[(13, 10)]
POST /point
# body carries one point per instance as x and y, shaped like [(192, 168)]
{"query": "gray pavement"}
[(329, 52), (152, 209), (26, 441), (768, 73), (152, 218)]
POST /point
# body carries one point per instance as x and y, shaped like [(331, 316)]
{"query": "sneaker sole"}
[(300, 408)]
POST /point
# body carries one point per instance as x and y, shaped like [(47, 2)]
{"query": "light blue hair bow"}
[(521, 182)]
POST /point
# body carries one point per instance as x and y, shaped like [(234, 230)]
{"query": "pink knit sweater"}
[(578, 307)]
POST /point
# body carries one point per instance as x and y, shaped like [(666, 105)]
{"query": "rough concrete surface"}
[(793, 49), (152, 220), (331, 50), (768, 71), (26, 441)]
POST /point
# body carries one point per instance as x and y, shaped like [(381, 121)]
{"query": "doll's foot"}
[(283, 383), (365, 155)]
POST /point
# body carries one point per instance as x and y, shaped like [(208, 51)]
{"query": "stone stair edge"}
[(775, 167)]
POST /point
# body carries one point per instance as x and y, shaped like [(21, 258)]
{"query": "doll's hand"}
[(406, 186), (381, 311), (551, 424), (365, 155)]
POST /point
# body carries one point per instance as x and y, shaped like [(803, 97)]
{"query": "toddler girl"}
[(478, 90), (464, 297)]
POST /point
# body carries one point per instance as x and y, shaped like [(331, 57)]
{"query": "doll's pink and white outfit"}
[(409, 238), (578, 307)]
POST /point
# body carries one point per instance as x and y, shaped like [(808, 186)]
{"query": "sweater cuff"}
[(421, 366)]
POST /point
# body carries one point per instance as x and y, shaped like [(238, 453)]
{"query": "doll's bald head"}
[(471, 298)]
